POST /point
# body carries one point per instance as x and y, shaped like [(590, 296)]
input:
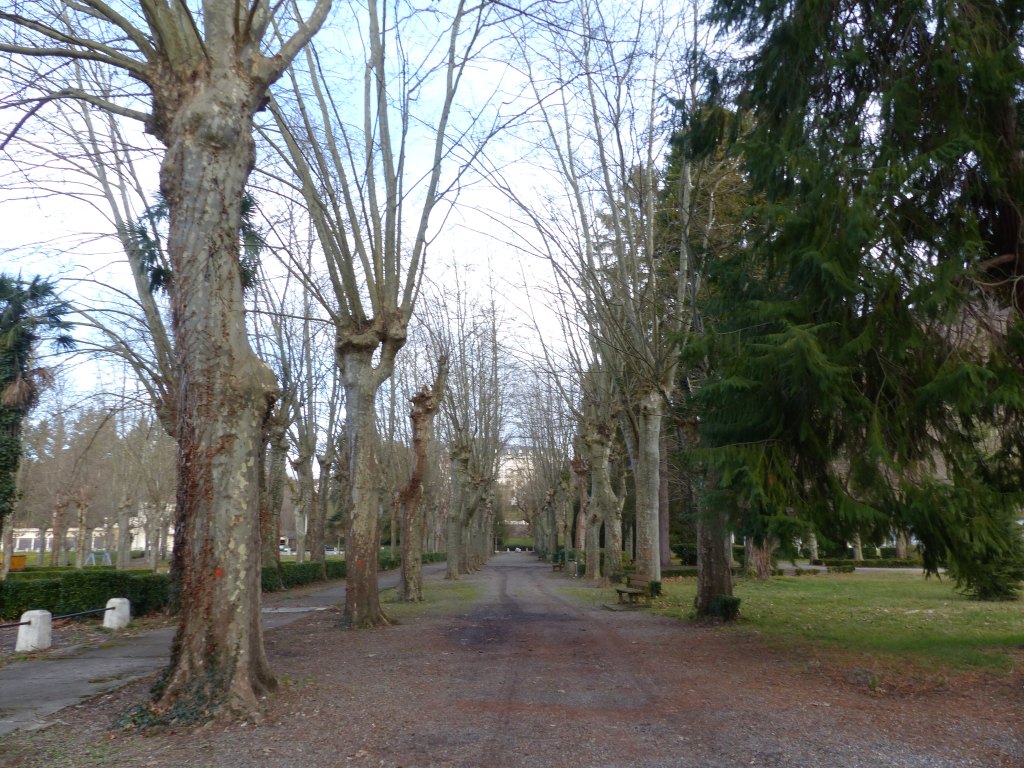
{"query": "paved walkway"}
[(31, 690)]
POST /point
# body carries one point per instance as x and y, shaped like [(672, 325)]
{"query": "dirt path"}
[(532, 675)]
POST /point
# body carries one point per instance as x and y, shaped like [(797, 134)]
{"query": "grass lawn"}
[(439, 597), (896, 617)]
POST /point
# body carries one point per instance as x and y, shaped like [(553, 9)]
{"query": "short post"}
[(118, 613), (36, 635)]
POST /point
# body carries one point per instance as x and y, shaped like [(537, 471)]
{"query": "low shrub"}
[(842, 568), (336, 569), (148, 592), (77, 591), (873, 563), (19, 596), (687, 553), (270, 579), (725, 607), (297, 574), (86, 590)]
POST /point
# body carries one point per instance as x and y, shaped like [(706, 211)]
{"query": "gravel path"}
[(534, 674)]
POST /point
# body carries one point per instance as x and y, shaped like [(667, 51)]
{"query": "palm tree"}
[(29, 312)]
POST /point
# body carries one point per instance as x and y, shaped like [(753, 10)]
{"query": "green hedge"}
[(336, 569), (66, 590), (874, 563), (149, 592), (16, 597), (83, 591), (57, 572)]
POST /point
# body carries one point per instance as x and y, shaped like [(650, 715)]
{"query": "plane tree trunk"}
[(425, 405), (225, 394)]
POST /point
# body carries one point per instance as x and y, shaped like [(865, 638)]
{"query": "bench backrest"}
[(635, 581)]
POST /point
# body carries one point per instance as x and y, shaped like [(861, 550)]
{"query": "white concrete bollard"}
[(37, 634), (118, 613)]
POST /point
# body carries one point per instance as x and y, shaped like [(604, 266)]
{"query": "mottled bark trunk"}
[(858, 547), (153, 524), (8, 539), (362, 537), (304, 509), (579, 470), (394, 511), (225, 394), (604, 505), (41, 559), (664, 506), (425, 405), (124, 534), (272, 477), (457, 513), (648, 483), (81, 535), (812, 547), (58, 549), (759, 557), (902, 545), (596, 508), (453, 535)]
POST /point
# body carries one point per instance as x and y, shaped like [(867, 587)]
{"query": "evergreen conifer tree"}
[(870, 347)]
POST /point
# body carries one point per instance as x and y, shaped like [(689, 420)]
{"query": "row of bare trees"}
[(268, 340)]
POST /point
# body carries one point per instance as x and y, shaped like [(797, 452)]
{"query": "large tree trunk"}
[(59, 548), (425, 404), (714, 544), (225, 395), (41, 559), (273, 476), (759, 557), (124, 533), (648, 484), (579, 469), (714, 574), (81, 535), (304, 509), (362, 538), (8, 539), (457, 513), (902, 545), (664, 505), (858, 547), (602, 504)]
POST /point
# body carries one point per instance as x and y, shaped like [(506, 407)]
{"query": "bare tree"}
[(425, 405), (371, 202), (205, 72), (601, 104), (474, 423)]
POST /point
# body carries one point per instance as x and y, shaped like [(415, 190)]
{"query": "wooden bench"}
[(558, 565), (636, 586)]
